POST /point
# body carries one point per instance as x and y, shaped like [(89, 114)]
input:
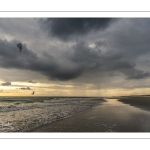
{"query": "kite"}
[(19, 46)]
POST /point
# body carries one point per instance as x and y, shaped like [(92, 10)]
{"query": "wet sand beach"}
[(142, 102), (109, 116)]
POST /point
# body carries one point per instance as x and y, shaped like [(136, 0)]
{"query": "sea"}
[(23, 114)]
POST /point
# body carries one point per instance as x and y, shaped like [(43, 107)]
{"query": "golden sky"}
[(43, 89)]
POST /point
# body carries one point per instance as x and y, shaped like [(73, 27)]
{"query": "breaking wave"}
[(22, 114)]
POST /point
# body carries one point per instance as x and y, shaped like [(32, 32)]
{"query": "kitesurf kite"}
[(19, 46)]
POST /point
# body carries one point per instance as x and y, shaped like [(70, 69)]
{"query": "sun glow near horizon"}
[(47, 89)]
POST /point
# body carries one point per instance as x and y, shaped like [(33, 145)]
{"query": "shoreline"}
[(37, 129), (110, 116), (94, 103), (25, 114)]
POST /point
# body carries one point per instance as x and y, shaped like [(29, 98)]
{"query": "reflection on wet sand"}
[(109, 116)]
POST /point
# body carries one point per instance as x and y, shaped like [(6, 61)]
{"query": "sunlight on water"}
[(125, 117), (113, 102)]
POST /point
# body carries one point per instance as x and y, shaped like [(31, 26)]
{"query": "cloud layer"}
[(78, 59), (80, 50), (64, 28)]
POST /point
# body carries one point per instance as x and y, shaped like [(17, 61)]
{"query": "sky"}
[(74, 56)]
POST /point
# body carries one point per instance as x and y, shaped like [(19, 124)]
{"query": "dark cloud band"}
[(64, 28), (79, 59)]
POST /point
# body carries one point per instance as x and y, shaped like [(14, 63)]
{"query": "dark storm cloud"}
[(10, 57), (77, 60), (130, 36), (46, 64), (6, 83), (64, 28), (91, 59), (135, 74)]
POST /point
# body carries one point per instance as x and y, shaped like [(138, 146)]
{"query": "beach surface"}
[(124, 114), (142, 102), (23, 114)]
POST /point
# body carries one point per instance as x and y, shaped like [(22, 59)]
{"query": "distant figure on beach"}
[(20, 47), (33, 93)]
